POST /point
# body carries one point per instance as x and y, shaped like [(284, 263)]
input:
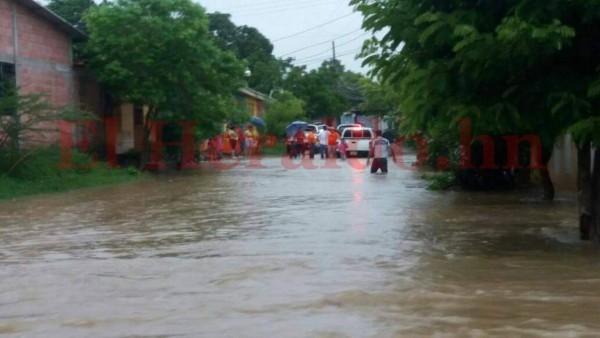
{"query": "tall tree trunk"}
[(584, 190), (595, 196), (147, 147)]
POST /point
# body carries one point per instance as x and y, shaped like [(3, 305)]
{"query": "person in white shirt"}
[(323, 137), (379, 150)]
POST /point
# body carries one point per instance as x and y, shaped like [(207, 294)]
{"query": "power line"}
[(338, 7), (266, 4), (320, 43), (339, 57), (312, 56), (280, 7), (327, 51), (252, 5), (274, 8), (310, 61), (313, 28), (319, 61), (285, 9), (356, 38)]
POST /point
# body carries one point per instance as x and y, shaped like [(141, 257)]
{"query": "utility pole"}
[(333, 46)]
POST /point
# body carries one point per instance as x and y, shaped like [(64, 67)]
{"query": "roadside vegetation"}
[(285, 109), (26, 169), (38, 171), (511, 68), (440, 181)]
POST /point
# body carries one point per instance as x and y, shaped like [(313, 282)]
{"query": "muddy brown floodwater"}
[(294, 253)]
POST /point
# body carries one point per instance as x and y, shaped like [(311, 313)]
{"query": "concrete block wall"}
[(43, 54), (6, 32)]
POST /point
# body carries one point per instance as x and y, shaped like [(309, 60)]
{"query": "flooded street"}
[(295, 253)]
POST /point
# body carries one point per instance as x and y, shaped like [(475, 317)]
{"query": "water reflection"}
[(294, 253)]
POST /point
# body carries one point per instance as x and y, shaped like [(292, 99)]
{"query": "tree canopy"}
[(378, 98), (508, 64), (162, 56), (328, 91), (72, 11), (281, 112), (250, 46), (518, 66)]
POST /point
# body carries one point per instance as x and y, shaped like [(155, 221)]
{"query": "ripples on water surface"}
[(294, 253)]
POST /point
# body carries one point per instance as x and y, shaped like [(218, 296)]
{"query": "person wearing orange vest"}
[(332, 142), (311, 143)]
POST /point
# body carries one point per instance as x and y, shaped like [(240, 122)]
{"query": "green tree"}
[(281, 112), (72, 11), (517, 66), (328, 91), (249, 45), (378, 98), (23, 117), (159, 53)]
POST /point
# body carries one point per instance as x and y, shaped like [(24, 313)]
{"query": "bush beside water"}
[(38, 171), (441, 181)]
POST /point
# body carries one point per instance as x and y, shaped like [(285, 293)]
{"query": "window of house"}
[(7, 77), (7, 84)]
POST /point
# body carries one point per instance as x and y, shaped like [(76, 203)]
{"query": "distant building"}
[(130, 118), (252, 101), (370, 121)]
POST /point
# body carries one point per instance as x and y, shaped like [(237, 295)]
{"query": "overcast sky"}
[(301, 29), (320, 21)]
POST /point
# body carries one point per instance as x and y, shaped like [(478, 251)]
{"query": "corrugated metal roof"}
[(255, 94), (50, 16)]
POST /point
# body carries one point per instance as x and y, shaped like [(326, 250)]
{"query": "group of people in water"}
[(325, 143), (241, 142), (328, 144)]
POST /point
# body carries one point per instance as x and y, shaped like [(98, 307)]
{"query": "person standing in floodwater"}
[(379, 150), (219, 143), (241, 140), (256, 143), (342, 147), (299, 143), (249, 140), (233, 139), (323, 137), (311, 142), (332, 142)]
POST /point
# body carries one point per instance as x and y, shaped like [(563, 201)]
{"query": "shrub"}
[(441, 181)]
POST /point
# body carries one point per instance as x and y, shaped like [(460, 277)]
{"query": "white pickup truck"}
[(358, 140)]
